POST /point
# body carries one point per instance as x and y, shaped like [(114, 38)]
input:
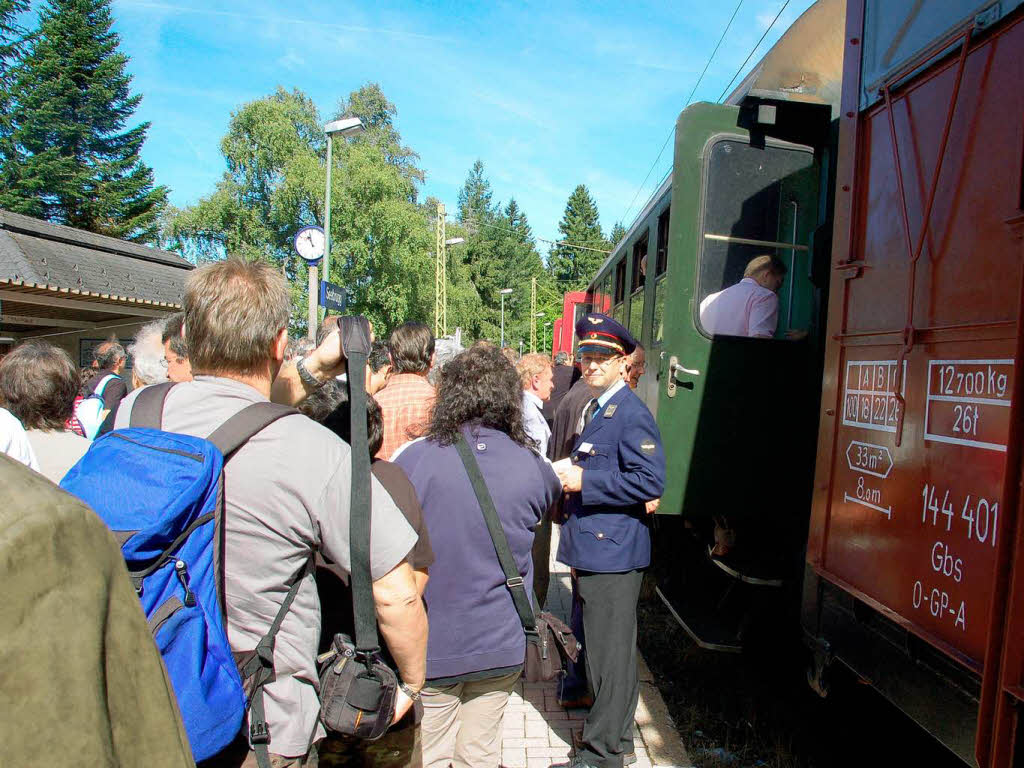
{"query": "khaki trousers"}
[(461, 723)]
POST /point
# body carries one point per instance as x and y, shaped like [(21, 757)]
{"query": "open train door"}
[(737, 414)]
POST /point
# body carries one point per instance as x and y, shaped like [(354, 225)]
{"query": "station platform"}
[(538, 732)]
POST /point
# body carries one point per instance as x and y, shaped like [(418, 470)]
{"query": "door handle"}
[(674, 368)]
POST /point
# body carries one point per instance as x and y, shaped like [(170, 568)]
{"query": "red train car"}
[(914, 571), (563, 334)]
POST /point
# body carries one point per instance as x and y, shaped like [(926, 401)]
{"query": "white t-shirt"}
[(744, 309), (534, 423), (14, 440), (287, 492), (57, 451)]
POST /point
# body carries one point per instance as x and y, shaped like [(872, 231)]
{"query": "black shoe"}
[(628, 758), (576, 762)]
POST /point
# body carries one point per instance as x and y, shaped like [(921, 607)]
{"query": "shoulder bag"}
[(549, 641), (357, 689)]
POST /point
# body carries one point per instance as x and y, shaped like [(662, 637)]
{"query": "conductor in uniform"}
[(617, 465)]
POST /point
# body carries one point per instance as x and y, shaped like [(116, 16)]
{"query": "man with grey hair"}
[(147, 354), (148, 364), (446, 349), (288, 492)]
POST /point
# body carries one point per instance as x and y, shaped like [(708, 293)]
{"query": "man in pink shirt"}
[(751, 306), (407, 399)]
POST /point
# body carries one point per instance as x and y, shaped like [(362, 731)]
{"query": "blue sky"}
[(547, 94)]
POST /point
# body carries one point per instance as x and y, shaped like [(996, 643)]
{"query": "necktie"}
[(588, 414)]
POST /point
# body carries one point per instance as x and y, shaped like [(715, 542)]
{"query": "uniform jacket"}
[(623, 463)]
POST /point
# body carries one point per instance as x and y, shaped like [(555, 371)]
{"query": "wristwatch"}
[(414, 695), (306, 377)]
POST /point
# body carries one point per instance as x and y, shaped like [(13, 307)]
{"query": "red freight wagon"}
[(914, 576)]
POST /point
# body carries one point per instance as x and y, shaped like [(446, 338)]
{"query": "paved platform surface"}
[(538, 732)]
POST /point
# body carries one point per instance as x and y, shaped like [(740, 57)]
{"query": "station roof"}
[(54, 277)]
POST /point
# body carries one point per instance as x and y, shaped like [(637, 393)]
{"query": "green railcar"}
[(738, 415)]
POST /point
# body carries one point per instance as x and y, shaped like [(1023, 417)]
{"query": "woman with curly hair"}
[(476, 646)]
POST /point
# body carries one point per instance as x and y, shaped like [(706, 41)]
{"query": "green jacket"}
[(82, 681)]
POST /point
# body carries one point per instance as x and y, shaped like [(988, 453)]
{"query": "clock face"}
[(309, 243)]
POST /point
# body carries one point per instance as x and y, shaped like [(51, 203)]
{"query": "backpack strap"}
[(148, 408), (513, 580), (236, 431), (260, 667)]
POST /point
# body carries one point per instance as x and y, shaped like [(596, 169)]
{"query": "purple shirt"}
[(473, 622)]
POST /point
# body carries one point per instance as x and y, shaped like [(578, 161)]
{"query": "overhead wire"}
[(478, 223), (752, 51), (696, 85)]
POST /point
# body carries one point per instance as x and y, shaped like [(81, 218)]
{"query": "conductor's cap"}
[(602, 334)]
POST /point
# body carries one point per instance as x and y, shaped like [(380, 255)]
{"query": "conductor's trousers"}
[(609, 622)]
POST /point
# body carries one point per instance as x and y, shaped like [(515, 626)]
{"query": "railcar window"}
[(662, 256), (660, 289), (751, 207), (639, 265), (636, 286), (620, 280)]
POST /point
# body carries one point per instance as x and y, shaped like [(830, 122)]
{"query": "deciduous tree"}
[(275, 151)]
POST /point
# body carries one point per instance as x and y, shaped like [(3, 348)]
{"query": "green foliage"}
[(475, 204), (275, 151), (12, 49), (573, 267), (73, 161), (499, 253)]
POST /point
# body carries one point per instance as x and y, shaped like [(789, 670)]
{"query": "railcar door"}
[(733, 410)]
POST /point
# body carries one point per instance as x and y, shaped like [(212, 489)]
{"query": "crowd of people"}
[(563, 441)]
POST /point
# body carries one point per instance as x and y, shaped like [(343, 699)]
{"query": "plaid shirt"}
[(405, 403)]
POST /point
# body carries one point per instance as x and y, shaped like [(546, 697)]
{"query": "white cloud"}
[(291, 60)]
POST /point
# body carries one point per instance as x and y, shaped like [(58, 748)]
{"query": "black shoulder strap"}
[(148, 408), (513, 580), (359, 524), (236, 431)]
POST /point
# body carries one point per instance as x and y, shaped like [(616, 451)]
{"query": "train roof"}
[(805, 64)]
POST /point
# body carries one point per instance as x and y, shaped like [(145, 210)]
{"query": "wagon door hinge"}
[(914, 250)]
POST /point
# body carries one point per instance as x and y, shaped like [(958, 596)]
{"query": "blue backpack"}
[(162, 496)]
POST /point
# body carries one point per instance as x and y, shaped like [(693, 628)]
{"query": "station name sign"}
[(333, 297)]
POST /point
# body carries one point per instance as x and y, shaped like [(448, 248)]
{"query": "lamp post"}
[(348, 126), (504, 292), (542, 344)]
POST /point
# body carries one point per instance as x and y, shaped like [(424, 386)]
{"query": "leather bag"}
[(549, 641)]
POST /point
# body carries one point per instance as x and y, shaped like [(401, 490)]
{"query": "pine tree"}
[(78, 165), (12, 47), (618, 232), (574, 267), (517, 223), (475, 196)]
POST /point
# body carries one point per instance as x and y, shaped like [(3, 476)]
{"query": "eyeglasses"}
[(599, 360)]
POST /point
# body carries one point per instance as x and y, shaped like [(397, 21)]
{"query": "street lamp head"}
[(454, 240), (347, 126), (505, 291), (539, 314)]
